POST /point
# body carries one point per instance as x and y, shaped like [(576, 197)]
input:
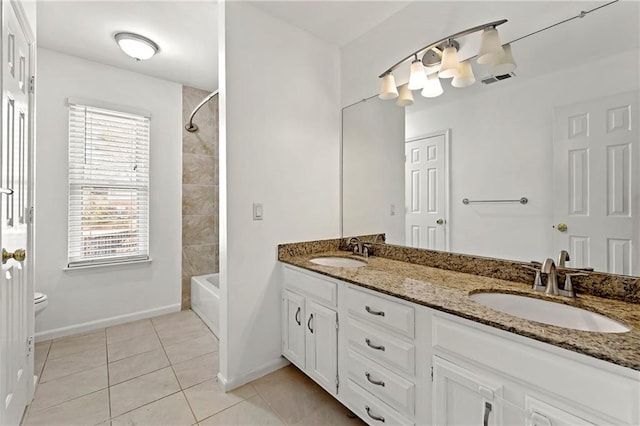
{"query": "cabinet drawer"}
[(370, 408), (386, 385), (377, 310), (382, 347), (323, 291)]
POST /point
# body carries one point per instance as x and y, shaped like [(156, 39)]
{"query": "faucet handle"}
[(367, 250), (568, 284), (537, 282)]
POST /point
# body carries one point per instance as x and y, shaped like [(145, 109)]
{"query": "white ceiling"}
[(185, 31), (337, 22)]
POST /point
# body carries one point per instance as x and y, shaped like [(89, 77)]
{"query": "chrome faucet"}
[(359, 248), (549, 268), (562, 258)]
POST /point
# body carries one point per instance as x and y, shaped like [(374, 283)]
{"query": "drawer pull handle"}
[(487, 411), (298, 315), (373, 416), (368, 309), (375, 382), (309, 323), (372, 346)]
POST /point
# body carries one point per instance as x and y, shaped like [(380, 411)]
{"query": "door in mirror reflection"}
[(426, 192), (596, 150)]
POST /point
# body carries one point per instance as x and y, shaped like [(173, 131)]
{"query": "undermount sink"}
[(338, 262), (550, 313)]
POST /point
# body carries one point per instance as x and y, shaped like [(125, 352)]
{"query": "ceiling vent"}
[(496, 78)]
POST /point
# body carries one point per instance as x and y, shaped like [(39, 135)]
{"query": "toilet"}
[(40, 301)]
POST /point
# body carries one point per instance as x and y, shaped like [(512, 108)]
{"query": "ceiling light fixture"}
[(138, 47)]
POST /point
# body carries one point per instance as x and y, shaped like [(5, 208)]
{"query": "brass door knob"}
[(20, 255), (562, 227), (440, 221)]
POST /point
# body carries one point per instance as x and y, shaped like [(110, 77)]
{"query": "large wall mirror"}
[(562, 133)]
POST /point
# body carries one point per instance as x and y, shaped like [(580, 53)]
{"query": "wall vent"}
[(496, 78)]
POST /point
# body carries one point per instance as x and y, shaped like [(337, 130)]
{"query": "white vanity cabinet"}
[(526, 382), (395, 362), (310, 326), (379, 352)]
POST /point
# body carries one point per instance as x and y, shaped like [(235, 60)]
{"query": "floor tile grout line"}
[(175, 375), (68, 400), (71, 374), (273, 409), (144, 405)]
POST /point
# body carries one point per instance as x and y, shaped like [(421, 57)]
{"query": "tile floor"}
[(162, 371)]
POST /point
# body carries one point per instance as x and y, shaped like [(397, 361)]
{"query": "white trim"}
[(107, 265), (106, 105), (106, 322), (227, 385)]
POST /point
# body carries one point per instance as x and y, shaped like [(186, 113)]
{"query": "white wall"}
[(501, 147), (280, 146), (373, 180), (92, 298)]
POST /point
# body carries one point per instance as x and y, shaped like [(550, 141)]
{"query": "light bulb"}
[(506, 64), (449, 66), (490, 47), (465, 75), (406, 97), (433, 88), (388, 88), (417, 77)]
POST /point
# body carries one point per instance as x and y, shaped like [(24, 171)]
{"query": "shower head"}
[(191, 127)]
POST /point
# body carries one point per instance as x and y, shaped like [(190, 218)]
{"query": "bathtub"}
[(205, 300)]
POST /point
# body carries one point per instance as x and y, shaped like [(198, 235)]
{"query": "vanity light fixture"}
[(504, 65), (138, 47), (441, 59), (388, 89)]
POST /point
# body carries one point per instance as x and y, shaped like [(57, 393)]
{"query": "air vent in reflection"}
[(497, 78)]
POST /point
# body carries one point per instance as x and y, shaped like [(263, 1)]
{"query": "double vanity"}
[(400, 342)]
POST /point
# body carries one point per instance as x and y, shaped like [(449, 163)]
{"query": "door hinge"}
[(432, 374), (30, 215), (29, 345), (32, 84), (337, 324)]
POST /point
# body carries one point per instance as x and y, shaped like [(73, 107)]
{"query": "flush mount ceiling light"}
[(138, 47)]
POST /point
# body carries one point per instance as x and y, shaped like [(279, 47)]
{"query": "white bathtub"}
[(205, 300)]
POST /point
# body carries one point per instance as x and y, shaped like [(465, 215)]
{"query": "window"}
[(108, 185)]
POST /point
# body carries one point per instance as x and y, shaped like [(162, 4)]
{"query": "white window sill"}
[(114, 265)]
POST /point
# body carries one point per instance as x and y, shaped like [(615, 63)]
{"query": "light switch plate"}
[(257, 211)]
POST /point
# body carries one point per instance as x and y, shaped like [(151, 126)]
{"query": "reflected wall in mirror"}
[(565, 137)]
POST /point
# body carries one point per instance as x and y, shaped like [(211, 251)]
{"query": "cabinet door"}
[(462, 398), (293, 340), (322, 345)]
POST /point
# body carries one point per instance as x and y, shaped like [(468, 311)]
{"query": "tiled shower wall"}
[(200, 247)]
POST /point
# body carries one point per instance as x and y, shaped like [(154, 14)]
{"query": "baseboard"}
[(230, 384), (106, 322)]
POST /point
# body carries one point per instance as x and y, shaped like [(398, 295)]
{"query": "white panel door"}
[(322, 345), (293, 338), (426, 192), (16, 293), (595, 154)]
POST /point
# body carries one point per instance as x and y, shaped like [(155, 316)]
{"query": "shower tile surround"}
[(443, 281), (200, 247)]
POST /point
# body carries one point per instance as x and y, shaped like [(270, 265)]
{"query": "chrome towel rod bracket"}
[(523, 200)]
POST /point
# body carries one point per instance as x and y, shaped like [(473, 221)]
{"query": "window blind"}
[(108, 186)]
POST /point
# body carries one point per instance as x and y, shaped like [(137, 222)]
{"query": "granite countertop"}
[(449, 291)]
